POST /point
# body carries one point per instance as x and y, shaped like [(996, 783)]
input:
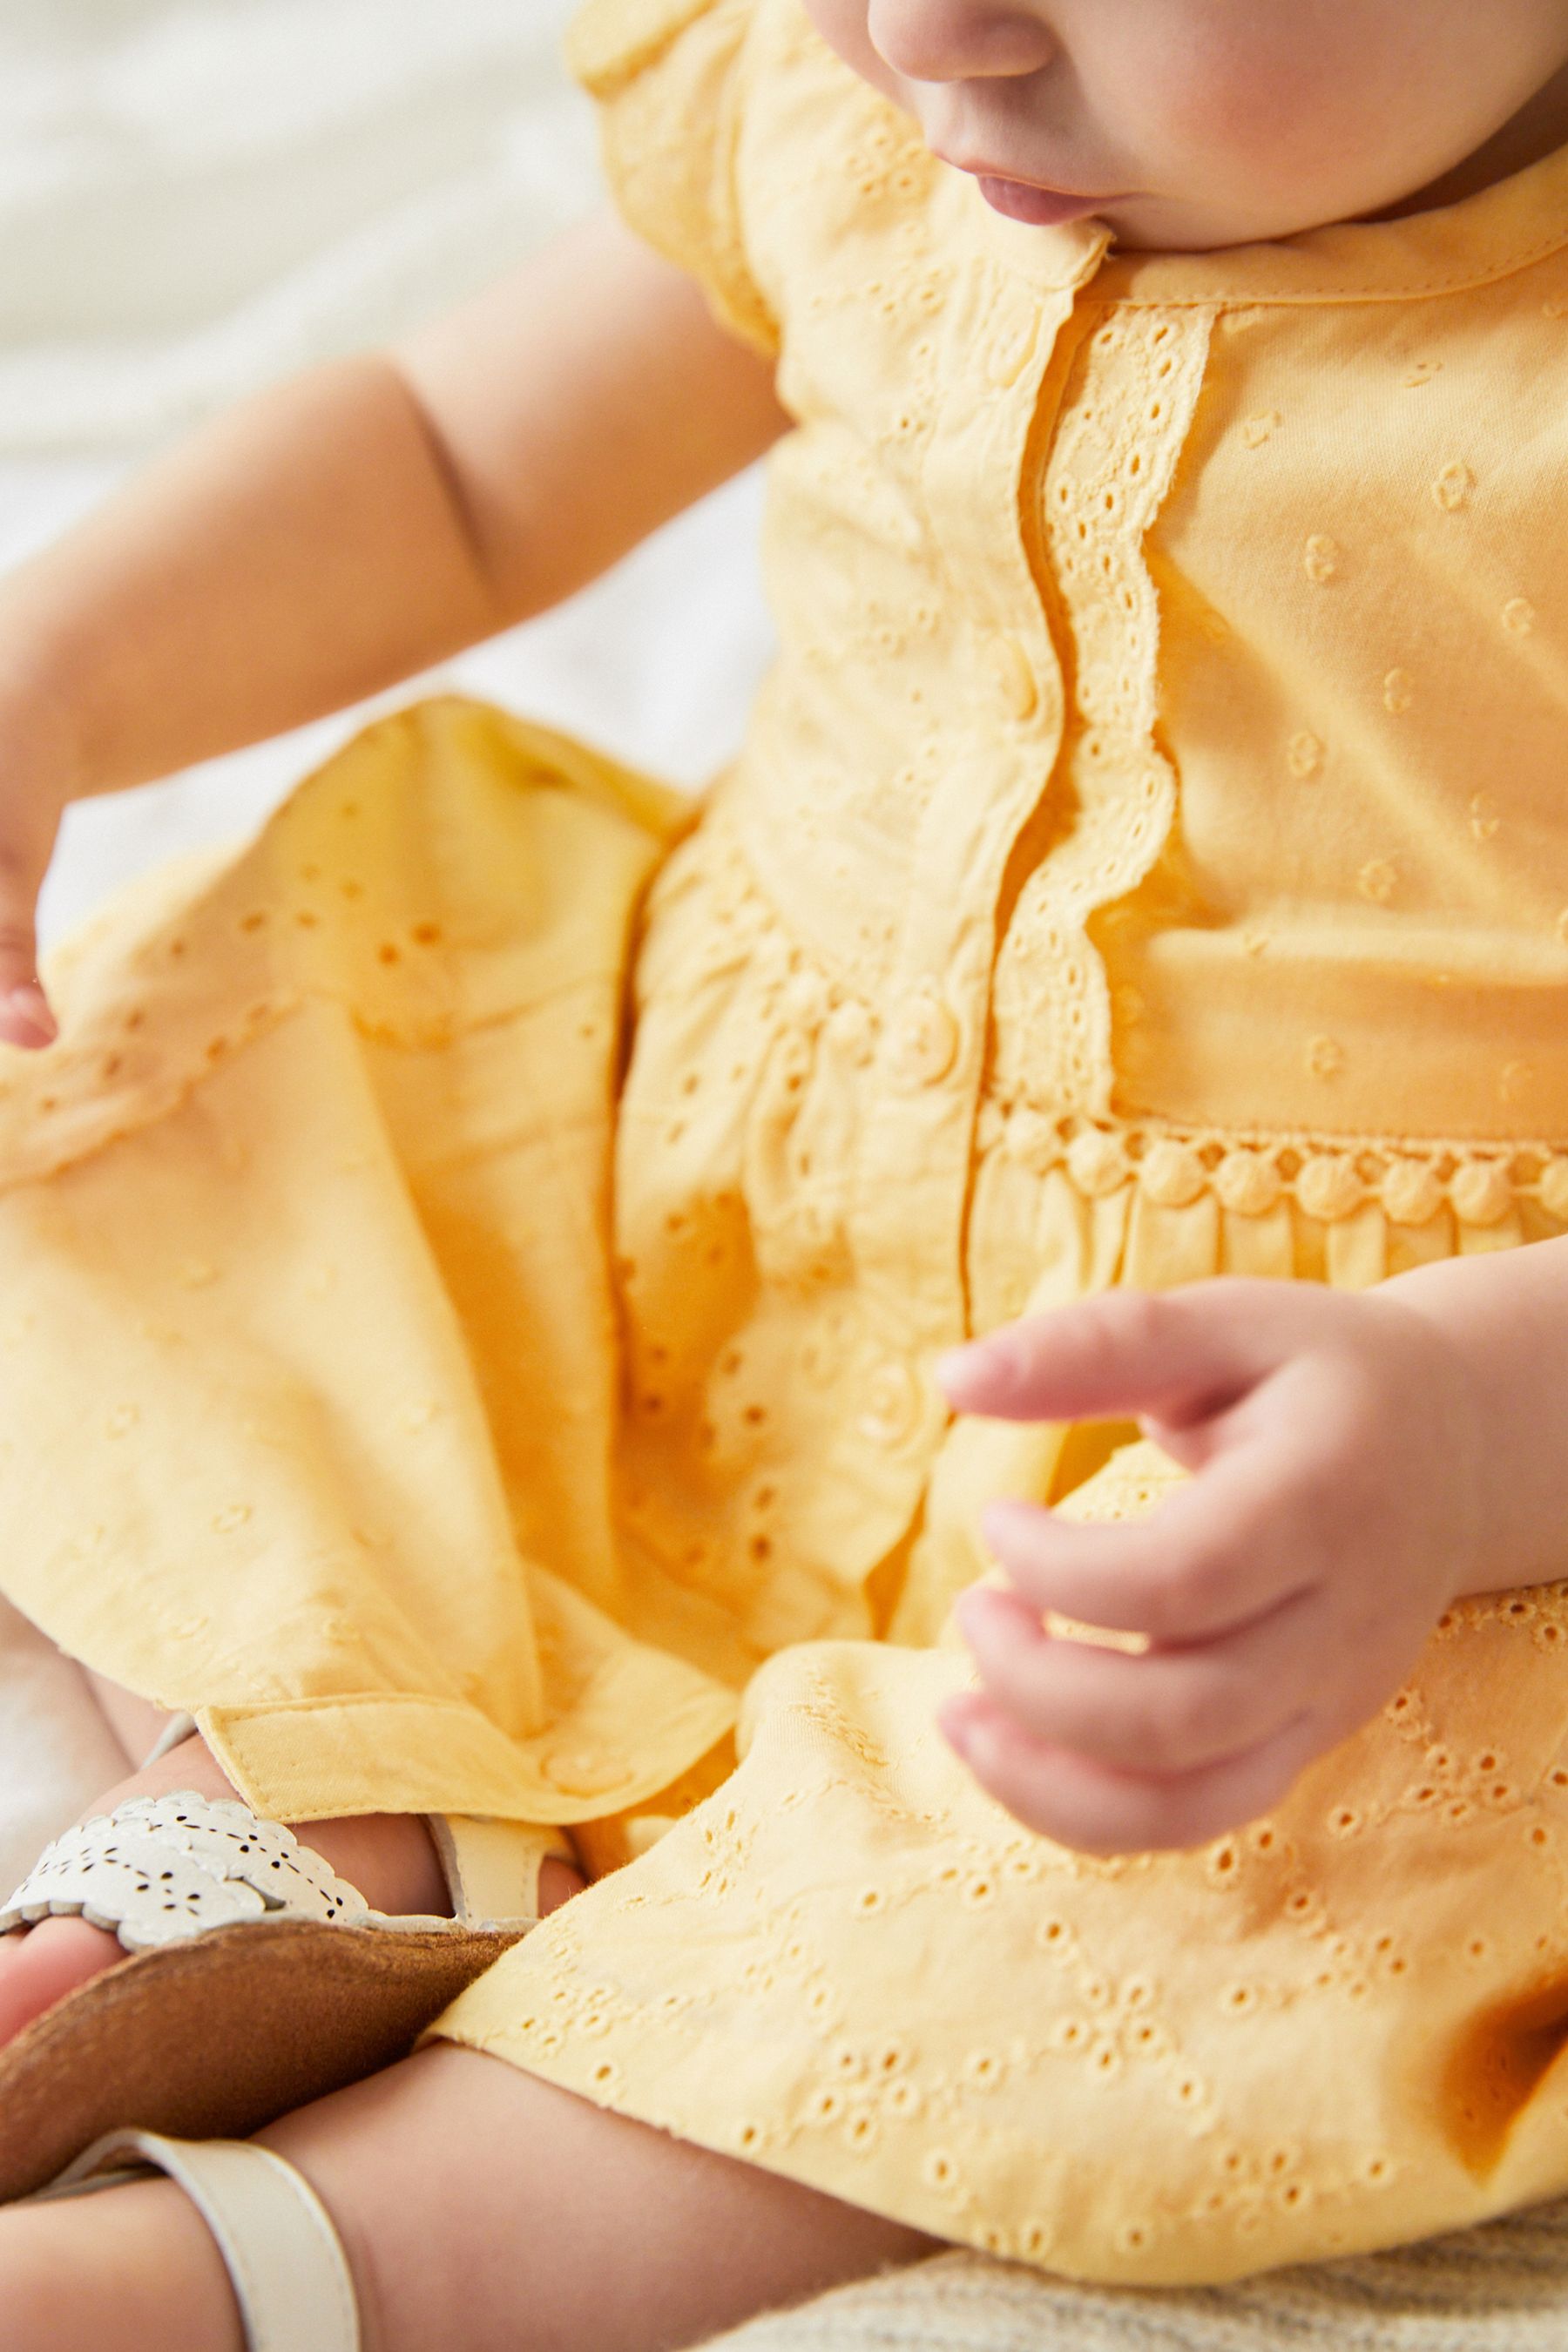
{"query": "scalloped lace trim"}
[(1125, 419), (1328, 1178)]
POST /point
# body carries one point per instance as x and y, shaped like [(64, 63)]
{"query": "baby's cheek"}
[(1234, 95)]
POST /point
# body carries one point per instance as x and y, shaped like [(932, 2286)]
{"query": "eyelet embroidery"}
[(1126, 414)]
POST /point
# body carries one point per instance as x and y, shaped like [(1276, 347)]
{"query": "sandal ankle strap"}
[(285, 2260), (492, 1868), (178, 1729), (159, 1870)]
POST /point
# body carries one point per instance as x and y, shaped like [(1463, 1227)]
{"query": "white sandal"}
[(257, 1980), (285, 2260)]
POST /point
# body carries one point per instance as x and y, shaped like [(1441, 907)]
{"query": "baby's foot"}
[(39, 1966), (388, 1857)]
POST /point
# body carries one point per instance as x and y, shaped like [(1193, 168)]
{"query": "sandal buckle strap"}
[(285, 2260)]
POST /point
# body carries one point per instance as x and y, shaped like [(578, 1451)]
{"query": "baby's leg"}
[(39, 1966), (477, 2205), (135, 1722), (390, 1857)]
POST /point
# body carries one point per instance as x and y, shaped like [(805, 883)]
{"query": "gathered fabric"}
[(473, 1264)]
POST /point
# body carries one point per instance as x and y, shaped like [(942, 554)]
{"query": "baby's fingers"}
[(1219, 1554), (1178, 1355), (25, 1015), (1094, 1809), (1172, 1711)]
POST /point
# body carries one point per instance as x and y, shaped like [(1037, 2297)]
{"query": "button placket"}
[(913, 1180), (577, 1773), (1015, 675), (1012, 349), (895, 1404), (923, 1042)]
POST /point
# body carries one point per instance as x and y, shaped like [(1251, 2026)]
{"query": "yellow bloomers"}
[(472, 1266)]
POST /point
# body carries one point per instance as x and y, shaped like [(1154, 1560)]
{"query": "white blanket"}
[(195, 194), (195, 197)]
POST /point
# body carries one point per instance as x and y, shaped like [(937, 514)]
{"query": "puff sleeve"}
[(669, 78)]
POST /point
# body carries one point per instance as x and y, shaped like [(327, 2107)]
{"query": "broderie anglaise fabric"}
[(551, 1228), (1100, 2069), (1118, 2080)]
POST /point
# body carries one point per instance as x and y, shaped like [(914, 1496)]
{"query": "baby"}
[(1191, 127), (1361, 1458)]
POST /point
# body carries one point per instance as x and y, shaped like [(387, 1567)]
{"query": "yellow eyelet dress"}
[(471, 1270)]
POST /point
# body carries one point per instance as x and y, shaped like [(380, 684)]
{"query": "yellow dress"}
[(470, 1270)]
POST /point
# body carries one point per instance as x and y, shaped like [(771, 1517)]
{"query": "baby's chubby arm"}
[(1359, 1462), (353, 526)]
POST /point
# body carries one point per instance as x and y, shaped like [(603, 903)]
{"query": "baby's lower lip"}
[(1043, 208)]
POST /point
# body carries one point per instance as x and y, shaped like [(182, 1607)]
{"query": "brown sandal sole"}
[(214, 2038)]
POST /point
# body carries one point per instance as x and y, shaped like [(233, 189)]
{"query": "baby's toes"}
[(39, 1966)]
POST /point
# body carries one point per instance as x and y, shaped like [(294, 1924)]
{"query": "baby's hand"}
[(33, 767), (1286, 1590)]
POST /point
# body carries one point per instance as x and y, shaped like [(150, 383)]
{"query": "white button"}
[(580, 1775), (1029, 1139), (892, 1404), (1014, 674), (1012, 352), (924, 1042)]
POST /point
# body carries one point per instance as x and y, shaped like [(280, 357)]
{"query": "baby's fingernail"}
[(27, 1010), (969, 1618), (1009, 1521), (972, 1732), (982, 1364), (957, 1726)]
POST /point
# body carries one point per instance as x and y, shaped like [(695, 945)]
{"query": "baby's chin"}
[(1202, 223), (1167, 225), (1145, 224)]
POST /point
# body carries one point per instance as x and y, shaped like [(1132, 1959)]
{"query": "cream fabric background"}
[(1495, 2289), (195, 197)]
